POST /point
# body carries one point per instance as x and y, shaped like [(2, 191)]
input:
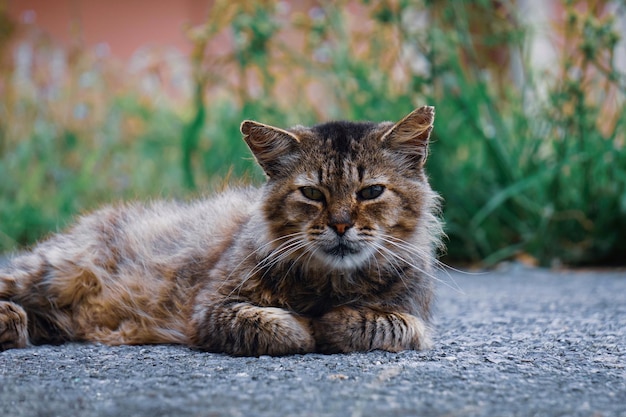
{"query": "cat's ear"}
[(272, 147), (409, 137)]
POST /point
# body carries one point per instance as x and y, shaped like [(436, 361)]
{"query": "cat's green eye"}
[(312, 193), (371, 192)]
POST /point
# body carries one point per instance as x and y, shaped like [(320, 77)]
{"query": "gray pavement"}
[(515, 342)]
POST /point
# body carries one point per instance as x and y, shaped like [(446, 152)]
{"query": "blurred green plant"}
[(531, 162), (535, 169)]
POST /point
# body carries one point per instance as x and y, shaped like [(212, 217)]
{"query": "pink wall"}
[(124, 25)]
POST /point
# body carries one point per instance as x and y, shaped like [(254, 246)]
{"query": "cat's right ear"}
[(272, 147)]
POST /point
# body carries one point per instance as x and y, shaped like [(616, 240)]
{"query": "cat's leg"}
[(13, 326), (28, 289), (347, 329), (13, 318), (244, 329)]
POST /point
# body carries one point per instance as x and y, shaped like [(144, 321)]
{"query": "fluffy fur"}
[(334, 253)]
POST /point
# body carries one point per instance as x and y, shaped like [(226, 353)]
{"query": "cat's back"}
[(216, 216), (202, 224), (158, 232)]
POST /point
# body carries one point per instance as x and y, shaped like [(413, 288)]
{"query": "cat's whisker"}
[(291, 237), (284, 255), (369, 264), (437, 263), (453, 286), (405, 245), (282, 252), (306, 247), (308, 260), (392, 262), (414, 251), (397, 259), (254, 270)]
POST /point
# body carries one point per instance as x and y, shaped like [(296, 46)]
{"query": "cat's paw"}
[(13, 326), (275, 332), (247, 330), (348, 329)]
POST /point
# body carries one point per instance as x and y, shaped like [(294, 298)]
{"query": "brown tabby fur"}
[(269, 271)]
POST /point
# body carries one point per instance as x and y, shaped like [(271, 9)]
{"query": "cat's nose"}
[(341, 228)]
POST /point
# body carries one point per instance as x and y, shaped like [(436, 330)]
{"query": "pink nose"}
[(341, 228)]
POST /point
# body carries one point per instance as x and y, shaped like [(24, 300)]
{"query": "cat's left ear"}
[(409, 137), (272, 147)]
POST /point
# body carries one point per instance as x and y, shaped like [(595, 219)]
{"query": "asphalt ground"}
[(514, 342)]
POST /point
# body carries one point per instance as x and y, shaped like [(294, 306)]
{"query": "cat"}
[(334, 253)]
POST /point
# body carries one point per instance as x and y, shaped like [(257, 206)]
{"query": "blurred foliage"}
[(530, 160)]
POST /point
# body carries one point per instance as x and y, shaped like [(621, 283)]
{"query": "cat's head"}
[(343, 195)]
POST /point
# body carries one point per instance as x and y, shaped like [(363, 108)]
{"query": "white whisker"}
[(391, 262), (306, 250), (412, 249), (281, 252), (290, 237), (440, 265)]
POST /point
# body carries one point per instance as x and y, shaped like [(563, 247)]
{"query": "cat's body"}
[(334, 253)]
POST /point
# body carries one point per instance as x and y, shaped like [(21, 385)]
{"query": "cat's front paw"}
[(243, 329), (347, 329), (13, 326)]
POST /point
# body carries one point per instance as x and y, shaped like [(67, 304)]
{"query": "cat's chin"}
[(343, 261)]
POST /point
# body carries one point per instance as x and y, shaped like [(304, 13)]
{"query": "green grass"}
[(532, 169)]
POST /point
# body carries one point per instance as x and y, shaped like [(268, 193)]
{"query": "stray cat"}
[(334, 253)]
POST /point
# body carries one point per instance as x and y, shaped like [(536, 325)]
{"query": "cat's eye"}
[(371, 192), (312, 193)]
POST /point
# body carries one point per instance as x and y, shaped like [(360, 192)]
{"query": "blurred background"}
[(109, 101)]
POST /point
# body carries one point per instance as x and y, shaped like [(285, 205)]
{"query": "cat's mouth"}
[(342, 250), (344, 255)]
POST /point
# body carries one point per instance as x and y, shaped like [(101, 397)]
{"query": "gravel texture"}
[(515, 342)]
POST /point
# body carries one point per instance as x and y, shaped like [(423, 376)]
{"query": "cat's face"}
[(343, 195)]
